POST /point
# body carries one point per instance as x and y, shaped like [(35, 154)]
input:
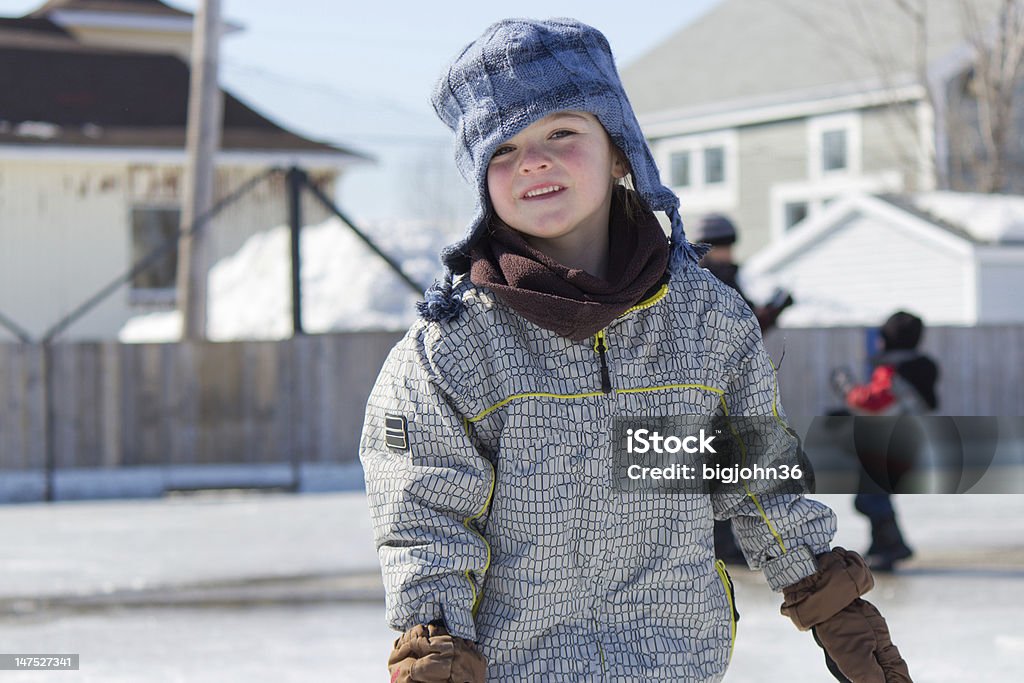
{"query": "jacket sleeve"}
[(779, 530), (876, 396), (427, 487)]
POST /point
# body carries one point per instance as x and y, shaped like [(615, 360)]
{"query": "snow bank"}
[(345, 286)]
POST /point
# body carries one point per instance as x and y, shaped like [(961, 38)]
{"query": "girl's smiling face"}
[(553, 182)]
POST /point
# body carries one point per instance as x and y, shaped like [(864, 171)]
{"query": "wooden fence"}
[(190, 403), (264, 402), (981, 368)]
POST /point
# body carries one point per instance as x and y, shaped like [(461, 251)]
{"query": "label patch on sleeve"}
[(396, 432)]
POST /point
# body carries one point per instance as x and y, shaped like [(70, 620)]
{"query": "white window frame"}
[(811, 206), (850, 123), (817, 194), (699, 194)]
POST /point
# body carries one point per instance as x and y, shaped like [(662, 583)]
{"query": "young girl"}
[(508, 553)]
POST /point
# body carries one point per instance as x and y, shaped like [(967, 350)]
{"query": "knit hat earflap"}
[(516, 73)]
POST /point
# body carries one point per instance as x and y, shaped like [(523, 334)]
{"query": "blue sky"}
[(360, 74)]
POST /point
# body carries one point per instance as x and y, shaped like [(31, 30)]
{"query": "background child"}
[(507, 551), (902, 383)]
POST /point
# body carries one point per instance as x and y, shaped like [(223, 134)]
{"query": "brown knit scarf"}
[(568, 301)]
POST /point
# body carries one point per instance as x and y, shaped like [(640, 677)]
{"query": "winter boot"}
[(887, 545)]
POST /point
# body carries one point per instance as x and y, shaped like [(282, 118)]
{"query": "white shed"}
[(952, 258)]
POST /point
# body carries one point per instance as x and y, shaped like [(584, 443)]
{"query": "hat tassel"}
[(681, 249), (440, 304)]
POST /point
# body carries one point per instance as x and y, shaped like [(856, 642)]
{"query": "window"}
[(834, 146), (679, 169), (795, 212), (152, 228), (702, 168), (833, 150), (714, 165)]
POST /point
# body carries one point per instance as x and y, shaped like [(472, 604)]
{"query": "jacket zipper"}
[(601, 346), (601, 338)]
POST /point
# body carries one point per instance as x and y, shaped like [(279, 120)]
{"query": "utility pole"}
[(296, 178), (205, 114)]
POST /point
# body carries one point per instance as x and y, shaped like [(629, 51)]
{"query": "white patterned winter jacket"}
[(486, 450)]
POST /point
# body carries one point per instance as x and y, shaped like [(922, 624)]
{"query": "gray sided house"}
[(768, 110), (93, 108)]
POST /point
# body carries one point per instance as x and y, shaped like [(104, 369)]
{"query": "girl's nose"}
[(533, 160)]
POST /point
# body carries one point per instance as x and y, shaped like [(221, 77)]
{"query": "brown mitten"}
[(851, 631), (428, 654)]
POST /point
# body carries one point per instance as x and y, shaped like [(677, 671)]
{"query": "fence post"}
[(49, 424), (296, 179)]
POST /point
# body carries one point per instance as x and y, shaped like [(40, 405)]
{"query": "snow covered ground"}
[(285, 588)]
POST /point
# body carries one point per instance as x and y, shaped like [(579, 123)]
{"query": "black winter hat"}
[(715, 229), (902, 331)]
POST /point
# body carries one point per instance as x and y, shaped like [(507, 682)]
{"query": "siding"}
[(890, 142), (64, 231), (769, 154), (999, 288)]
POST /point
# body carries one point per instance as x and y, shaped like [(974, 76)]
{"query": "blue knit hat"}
[(516, 73)]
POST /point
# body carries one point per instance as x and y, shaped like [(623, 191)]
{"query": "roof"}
[(56, 92), (780, 51), (34, 33), (983, 218), (31, 25), (953, 220), (151, 7)]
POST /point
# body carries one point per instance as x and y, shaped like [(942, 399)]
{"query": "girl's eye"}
[(562, 133), (504, 149)]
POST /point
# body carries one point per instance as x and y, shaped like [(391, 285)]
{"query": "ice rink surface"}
[(284, 588)]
